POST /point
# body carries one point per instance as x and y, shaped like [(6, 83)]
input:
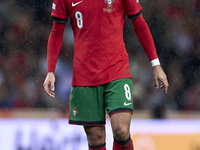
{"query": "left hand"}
[(159, 74)]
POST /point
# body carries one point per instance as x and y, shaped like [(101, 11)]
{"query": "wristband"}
[(155, 62)]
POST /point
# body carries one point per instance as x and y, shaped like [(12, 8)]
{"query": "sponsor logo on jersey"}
[(74, 4), (75, 112), (109, 9), (54, 6)]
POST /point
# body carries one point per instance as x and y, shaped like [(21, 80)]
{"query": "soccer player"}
[(101, 75)]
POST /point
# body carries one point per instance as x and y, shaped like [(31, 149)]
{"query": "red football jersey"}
[(99, 50)]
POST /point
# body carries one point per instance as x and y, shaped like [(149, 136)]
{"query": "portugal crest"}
[(109, 2), (109, 9), (75, 112)]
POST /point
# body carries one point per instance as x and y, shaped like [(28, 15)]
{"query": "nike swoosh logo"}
[(126, 104), (74, 4)]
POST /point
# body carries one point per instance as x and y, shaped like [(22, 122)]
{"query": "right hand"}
[(159, 74), (49, 84)]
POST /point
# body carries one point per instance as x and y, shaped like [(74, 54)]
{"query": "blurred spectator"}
[(24, 30)]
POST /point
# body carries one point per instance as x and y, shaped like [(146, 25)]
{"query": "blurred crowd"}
[(24, 30)]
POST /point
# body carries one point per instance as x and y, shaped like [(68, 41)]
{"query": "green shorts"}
[(88, 104)]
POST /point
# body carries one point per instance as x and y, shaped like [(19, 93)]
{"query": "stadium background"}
[(24, 30)]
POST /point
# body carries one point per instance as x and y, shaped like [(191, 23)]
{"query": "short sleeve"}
[(59, 11), (132, 8)]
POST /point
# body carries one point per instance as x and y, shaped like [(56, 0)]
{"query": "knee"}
[(96, 137), (121, 133)]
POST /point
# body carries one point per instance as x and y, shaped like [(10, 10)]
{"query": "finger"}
[(166, 89), (48, 91), (51, 94), (45, 85), (165, 85), (161, 85), (52, 86), (156, 83)]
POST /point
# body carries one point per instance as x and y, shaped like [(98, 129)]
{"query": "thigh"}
[(87, 106), (118, 96)]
